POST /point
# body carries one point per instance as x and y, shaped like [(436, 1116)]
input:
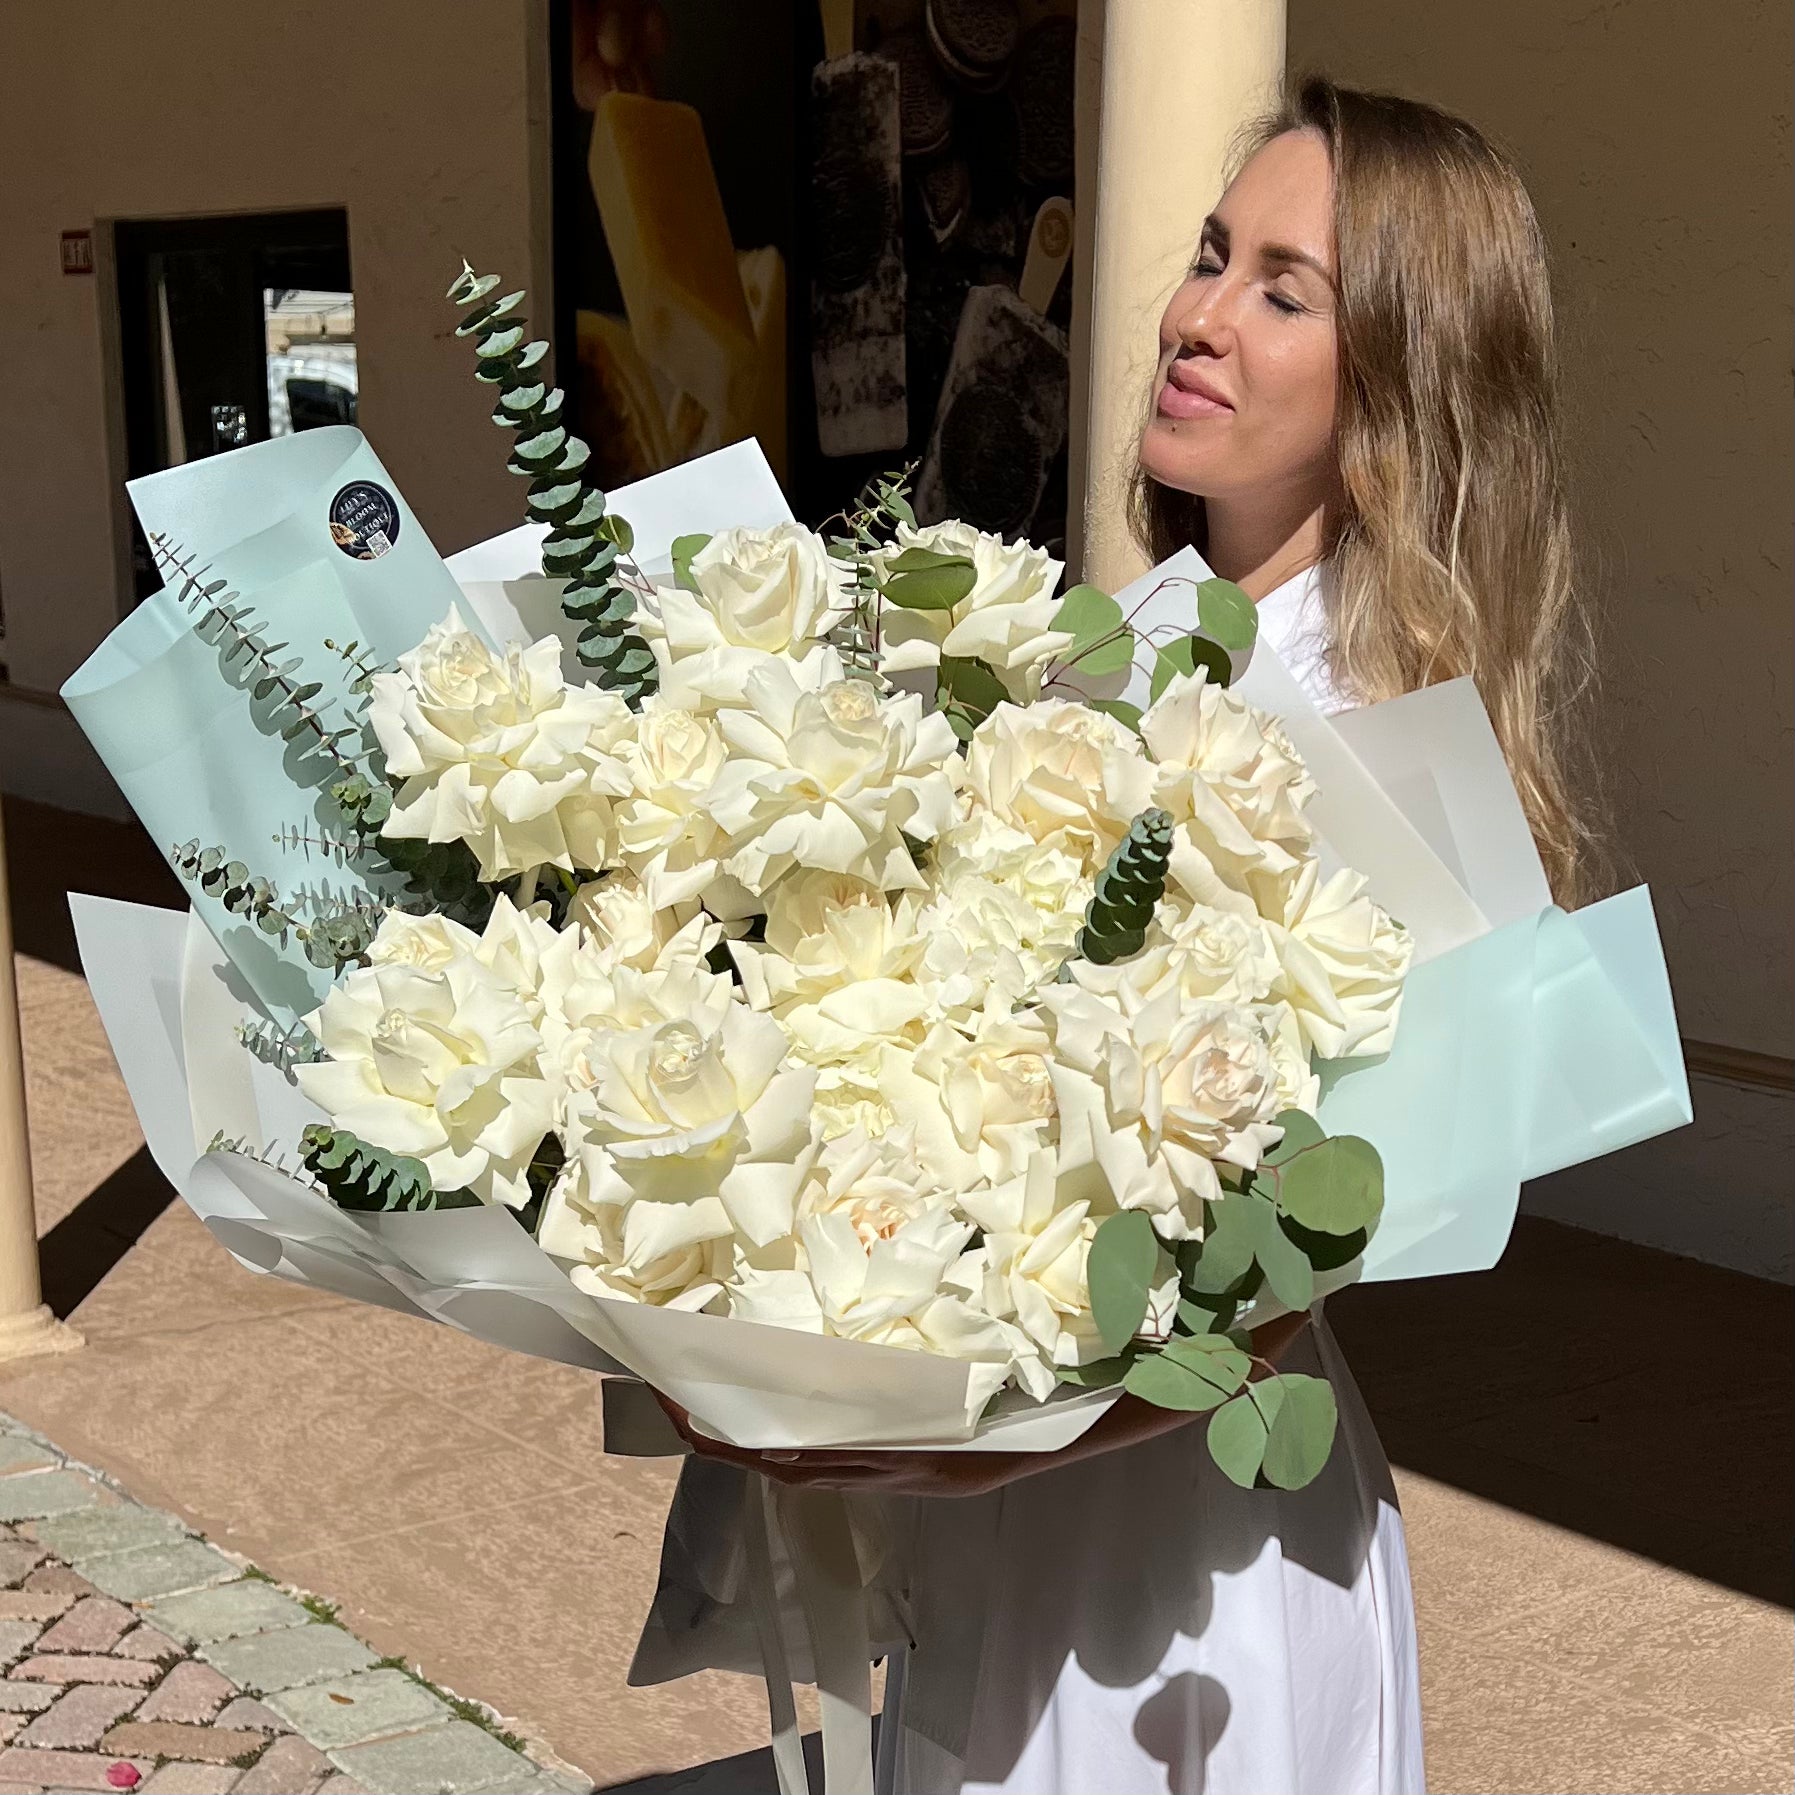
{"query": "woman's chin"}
[(1171, 453)]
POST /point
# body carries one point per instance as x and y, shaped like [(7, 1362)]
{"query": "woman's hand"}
[(871, 1473)]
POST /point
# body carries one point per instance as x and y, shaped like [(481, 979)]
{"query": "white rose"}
[(437, 1065), (824, 931), (500, 752), (1154, 1095), (892, 1290), (665, 832), (985, 945), (1344, 962), (692, 1104), (996, 1090), (759, 593), (833, 778), (1197, 951), (1231, 777), (618, 917), (675, 1257), (858, 1039), (875, 1181), (513, 944), (1038, 1230), (1060, 773), (428, 943), (1292, 1063), (1006, 620)]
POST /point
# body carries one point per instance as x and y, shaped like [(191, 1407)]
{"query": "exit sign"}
[(77, 252)]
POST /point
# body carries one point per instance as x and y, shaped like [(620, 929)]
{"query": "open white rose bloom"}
[(917, 1008), (861, 993)]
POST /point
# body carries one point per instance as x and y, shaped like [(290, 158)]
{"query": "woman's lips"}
[(1179, 402)]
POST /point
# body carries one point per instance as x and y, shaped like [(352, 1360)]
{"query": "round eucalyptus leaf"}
[(1124, 1254), (1178, 659), (1301, 1130), (1193, 1372), (1101, 639), (1287, 1271), (1226, 615), (1302, 1433), (1335, 1187), (930, 588), (971, 685), (1237, 1437), (1125, 713)]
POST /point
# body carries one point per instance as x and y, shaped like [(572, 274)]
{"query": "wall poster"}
[(839, 227)]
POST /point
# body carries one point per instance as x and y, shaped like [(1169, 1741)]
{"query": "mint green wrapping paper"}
[(191, 753), (1546, 1043)]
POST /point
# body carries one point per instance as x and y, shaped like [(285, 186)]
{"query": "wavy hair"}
[(1450, 551)]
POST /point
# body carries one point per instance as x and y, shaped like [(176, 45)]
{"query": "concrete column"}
[(1174, 79), (26, 1323)]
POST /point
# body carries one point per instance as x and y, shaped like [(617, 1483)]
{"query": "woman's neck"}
[(1258, 546)]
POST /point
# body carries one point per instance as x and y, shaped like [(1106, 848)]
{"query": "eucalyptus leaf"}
[(1101, 1375), (937, 585), (1336, 1187), (1226, 615), (1184, 656), (1239, 1430), (684, 548), (1287, 1271), (1301, 1130), (1192, 1372), (1120, 709), (1301, 1434), (971, 685), (1124, 1254), (1227, 1247), (1101, 639)]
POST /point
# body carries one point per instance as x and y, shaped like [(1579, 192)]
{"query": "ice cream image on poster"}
[(1002, 413), (857, 281), (364, 520)]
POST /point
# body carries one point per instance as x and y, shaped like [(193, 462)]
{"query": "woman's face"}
[(1244, 398)]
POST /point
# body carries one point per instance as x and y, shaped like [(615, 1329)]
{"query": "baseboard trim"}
[(1739, 1066)]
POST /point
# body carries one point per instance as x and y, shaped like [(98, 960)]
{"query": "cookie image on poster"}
[(364, 520)]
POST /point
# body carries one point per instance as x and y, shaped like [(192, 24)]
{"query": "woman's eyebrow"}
[(1282, 252)]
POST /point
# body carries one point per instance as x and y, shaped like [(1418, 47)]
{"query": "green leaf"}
[(1327, 1252), (935, 587), (684, 548), (1335, 1187), (617, 529), (1209, 1316), (1119, 708), (1124, 1253), (1239, 1430), (1101, 639), (1226, 615), (1185, 656), (1192, 1372), (1287, 1271), (1301, 1433), (1301, 1131), (1227, 1247), (1100, 1375), (971, 685)]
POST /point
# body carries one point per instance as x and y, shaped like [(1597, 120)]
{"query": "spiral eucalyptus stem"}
[(584, 546)]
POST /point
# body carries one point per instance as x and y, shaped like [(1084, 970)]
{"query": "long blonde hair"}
[(1451, 552)]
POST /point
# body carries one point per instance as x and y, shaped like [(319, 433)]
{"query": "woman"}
[(1354, 418)]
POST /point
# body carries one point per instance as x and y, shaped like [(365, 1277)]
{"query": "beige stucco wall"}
[(1654, 136), (426, 121)]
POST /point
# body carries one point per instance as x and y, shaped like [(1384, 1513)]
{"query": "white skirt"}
[(1136, 1623)]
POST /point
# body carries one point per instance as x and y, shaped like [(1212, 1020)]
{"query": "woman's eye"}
[(1205, 265), (1287, 306)]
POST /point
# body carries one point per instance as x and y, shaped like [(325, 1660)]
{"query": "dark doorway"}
[(232, 330)]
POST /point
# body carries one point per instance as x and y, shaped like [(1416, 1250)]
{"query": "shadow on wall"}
[(1621, 1393)]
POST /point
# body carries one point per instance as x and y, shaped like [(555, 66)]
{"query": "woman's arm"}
[(873, 1473)]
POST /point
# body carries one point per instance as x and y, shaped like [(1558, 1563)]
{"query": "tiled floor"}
[(1592, 1442)]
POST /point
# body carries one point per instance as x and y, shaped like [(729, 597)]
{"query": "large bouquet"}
[(868, 994)]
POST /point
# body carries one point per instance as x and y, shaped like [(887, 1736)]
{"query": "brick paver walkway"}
[(137, 1656)]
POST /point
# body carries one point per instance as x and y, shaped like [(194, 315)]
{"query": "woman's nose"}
[(1207, 319)]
